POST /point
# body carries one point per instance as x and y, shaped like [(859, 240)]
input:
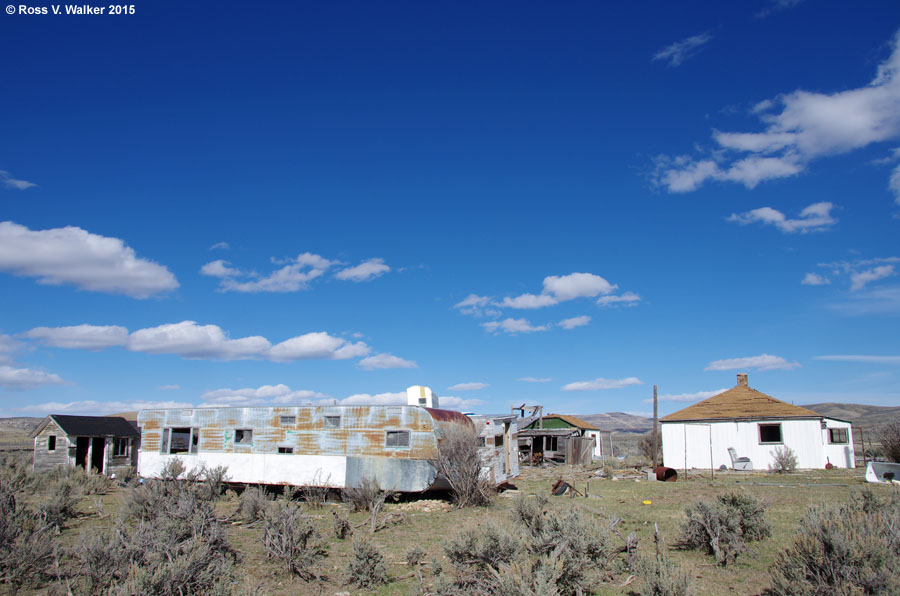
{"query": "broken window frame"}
[(121, 447), (396, 439), (51, 443), (191, 447), (769, 428), (332, 421), (246, 436)]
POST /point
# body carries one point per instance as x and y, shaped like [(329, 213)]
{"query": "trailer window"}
[(180, 440), (51, 443), (287, 420), (332, 421), (769, 433), (838, 436), (498, 440), (285, 450), (396, 438), (243, 436)]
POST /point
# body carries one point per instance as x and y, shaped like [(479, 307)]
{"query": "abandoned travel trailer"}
[(741, 428), (334, 446), (101, 444)]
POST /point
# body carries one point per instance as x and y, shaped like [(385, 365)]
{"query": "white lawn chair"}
[(739, 463)]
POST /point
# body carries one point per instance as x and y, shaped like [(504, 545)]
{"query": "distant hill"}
[(858, 414), (15, 431), (619, 422)]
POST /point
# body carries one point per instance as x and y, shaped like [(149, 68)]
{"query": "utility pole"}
[(655, 438)]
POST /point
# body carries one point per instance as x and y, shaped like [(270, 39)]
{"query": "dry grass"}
[(429, 527)]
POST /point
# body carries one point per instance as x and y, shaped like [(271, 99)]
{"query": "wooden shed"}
[(98, 444), (564, 438)]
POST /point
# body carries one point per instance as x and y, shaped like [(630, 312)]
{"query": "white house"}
[(752, 424)]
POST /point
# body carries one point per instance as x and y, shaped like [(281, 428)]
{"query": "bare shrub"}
[(478, 551), (784, 460), (529, 511), (366, 569), (342, 527), (291, 537), (61, 503), (316, 492), (459, 463), (172, 469), (645, 445), (100, 559), (889, 437), (253, 504), (850, 548), (414, 555), (363, 496), (213, 482), (723, 527), (659, 575), (25, 559)]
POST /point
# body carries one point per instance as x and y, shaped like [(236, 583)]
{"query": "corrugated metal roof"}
[(740, 402)]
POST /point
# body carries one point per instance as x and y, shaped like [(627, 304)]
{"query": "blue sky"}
[(217, 203)]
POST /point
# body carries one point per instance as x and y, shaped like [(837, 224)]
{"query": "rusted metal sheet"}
[(330, 445)]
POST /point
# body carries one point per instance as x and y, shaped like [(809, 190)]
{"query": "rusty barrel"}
[(664, 474)]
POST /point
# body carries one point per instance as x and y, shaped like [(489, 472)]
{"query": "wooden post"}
[(654, 443)]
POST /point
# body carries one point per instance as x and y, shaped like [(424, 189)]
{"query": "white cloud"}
[(859, 279), (90, 407), (467, 387), (575, 322), (265, 395), (10, 182), (8, 346), (26, 378), (364, 271), (626, 299), (219, 268), (513, 326), (71, 255), (687, 397), (880, 300), (294, 276), (190, 340), (317, 345), (379, 399), (220, 246), (560, 289), (761, 362), (476, 306), (534, 380), (680, 51), (601, 383), (799, 127), (85, 337), (168, 388), (814, 279), (857, 358), (451, 402), (815, 218), (382, 361)]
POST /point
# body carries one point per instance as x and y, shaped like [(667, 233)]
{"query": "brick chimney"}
[(742, 379)]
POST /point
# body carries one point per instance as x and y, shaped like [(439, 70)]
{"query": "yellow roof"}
[(740, 402)]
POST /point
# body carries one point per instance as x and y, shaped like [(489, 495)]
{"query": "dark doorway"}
[(81, 451), (99, 443)]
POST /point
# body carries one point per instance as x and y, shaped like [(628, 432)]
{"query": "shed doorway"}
[(97, 454), (82, 446)]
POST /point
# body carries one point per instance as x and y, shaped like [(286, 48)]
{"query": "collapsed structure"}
[(334, 446)]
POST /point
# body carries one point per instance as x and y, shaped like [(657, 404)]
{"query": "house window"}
[(51, 443), (423, 401), (180, 440), (838, 436), (285, 450), (121, 447), (243, 436), (396, 438), (332, 421), (481, 441), (287, 420), (769, 433), (498, 440), (550, 443)]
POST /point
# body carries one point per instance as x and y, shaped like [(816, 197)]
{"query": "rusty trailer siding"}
[(334, 446)]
